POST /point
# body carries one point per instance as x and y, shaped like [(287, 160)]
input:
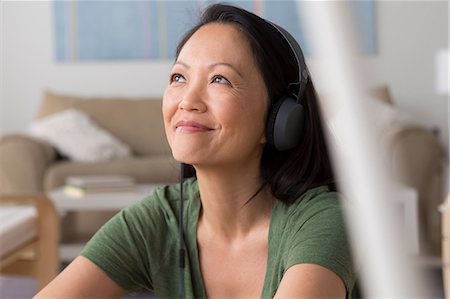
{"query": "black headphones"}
[(286, 118)]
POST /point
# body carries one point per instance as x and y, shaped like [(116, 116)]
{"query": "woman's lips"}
[(191, 126)]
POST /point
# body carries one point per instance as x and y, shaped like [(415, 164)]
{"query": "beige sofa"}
[(30, 165)]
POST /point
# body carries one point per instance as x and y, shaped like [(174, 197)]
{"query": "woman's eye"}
[(177, 78), (220, 79)]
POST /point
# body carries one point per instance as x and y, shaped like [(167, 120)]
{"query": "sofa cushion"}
[(18, 227), (76, 136), (154, 169), (137, 122)]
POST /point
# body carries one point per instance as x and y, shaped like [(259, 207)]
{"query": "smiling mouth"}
[(191, 126)]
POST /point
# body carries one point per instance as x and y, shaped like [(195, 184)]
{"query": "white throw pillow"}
[(76, 136)]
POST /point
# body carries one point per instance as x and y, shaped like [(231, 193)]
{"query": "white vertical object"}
[(386, 268), (442, 69), (2, 70), (443, 87)]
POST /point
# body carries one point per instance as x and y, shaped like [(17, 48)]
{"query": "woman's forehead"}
[(219, 43)]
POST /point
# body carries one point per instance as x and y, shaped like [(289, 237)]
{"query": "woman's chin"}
[(187, 158)]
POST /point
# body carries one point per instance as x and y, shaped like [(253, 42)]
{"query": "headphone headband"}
[(303, 73)]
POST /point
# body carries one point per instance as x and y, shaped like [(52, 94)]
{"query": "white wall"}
[(29, 67), (409, 35)]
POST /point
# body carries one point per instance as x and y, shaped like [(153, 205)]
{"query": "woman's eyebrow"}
[(227, 65), (211, 66)]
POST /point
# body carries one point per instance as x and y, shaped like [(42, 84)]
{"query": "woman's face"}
[(215, 104)]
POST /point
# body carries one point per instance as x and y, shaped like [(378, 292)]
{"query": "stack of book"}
[(80, 186)]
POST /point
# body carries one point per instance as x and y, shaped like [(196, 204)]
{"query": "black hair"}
[(288, 173)]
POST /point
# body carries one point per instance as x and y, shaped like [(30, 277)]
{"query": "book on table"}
[(79, 186)]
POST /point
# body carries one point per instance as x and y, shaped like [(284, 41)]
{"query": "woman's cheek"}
[(169, 104), (169, 108)]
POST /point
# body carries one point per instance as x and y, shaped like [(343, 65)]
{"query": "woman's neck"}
[(234, 202)]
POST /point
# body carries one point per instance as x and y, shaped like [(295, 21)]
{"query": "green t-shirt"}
[(138, 248)]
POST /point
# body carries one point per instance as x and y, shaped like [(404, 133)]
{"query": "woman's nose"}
[(192, 100)]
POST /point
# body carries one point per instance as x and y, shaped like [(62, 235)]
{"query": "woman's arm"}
[(310, 281), (81, 279)]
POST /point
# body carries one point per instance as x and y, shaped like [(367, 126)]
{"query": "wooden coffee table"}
[(104, 201)]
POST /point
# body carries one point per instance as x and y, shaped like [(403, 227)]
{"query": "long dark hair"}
[(288, 173)]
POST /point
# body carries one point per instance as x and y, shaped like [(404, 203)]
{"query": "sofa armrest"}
[(23, 162)]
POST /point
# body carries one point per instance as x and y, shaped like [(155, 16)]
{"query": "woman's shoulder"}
[(313, 201), (312, 230), (317, 210)]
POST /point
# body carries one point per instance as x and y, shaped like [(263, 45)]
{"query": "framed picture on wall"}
[(124, 30)]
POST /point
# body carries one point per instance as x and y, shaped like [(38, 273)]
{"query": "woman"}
[(258, 222)]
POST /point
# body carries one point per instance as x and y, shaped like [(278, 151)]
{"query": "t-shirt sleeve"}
[(120, 248), (321, 238)]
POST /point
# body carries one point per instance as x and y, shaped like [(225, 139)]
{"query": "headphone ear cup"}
[(285, 124), (271, 119)]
